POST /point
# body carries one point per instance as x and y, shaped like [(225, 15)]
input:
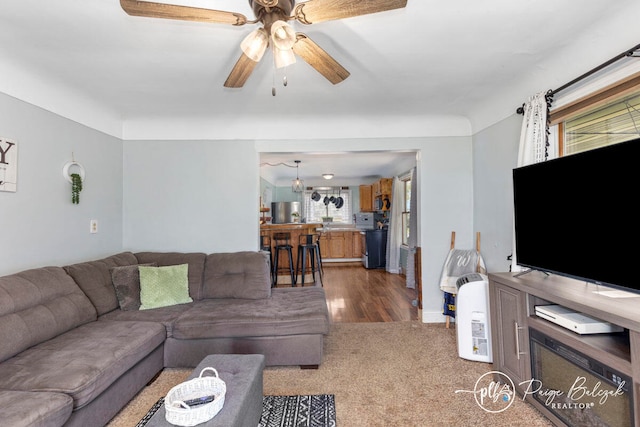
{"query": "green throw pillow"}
[(163, 286)]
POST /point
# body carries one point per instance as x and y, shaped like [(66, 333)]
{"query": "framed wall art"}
[(8, 165)]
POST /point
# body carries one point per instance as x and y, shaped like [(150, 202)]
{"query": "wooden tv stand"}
[(512, 301)]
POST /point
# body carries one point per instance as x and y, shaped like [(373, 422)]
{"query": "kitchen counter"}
[(296, 229), (291, 226), (330, 229)]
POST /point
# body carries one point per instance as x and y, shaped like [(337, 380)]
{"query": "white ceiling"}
[(464, 62), (352, 169)]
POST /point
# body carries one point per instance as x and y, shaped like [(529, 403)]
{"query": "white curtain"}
[(534, 142), (413, 232), (394, 234)]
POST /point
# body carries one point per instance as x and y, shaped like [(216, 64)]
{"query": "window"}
[(318, 211), (406, 214), (604, 118)]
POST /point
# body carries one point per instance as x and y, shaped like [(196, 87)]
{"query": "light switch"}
[(93, 226)]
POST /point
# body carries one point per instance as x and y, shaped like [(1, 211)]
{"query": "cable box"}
[(575, 321)]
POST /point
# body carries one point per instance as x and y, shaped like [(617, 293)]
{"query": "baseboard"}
[(433, 317)]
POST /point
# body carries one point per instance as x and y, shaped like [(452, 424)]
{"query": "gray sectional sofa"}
[(71, 355)]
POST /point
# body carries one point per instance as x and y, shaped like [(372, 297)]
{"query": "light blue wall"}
[(495, 154), (286, 194), (445, 204), (40, 225), (191, 196), (204, 196)]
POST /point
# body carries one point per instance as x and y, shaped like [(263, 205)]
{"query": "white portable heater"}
[(473, 323)]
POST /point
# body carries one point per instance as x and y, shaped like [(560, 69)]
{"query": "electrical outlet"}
[(93, 226)]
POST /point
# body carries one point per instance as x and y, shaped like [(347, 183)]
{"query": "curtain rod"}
[(627, 53)]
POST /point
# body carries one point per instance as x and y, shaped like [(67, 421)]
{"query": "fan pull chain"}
[(285, 82), (273, 78), (273, 83)]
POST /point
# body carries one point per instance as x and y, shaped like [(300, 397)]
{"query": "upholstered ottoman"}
[(242, 374)]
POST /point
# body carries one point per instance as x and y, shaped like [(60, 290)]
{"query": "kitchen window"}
[(406, 214), (321, 212)]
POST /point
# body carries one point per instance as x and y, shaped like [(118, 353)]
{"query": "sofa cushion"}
[(237, 275), (84, 361), (164, 286), (34, 409), (94, 278), (164, 315), (126, 281), (289, 311), (37, 305), (194, 259)]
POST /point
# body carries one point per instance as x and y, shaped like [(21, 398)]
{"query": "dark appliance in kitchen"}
[(374, 239), (375, 248)]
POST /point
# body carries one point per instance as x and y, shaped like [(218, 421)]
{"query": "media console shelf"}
[(512, 304)]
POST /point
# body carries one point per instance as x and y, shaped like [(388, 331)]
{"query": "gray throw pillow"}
[(126, 281)]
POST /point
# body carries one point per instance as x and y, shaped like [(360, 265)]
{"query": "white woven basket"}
[(179, 413)]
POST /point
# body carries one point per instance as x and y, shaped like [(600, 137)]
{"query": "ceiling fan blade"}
[(313, 11), (319, 59), (241, 71), (185, 13)]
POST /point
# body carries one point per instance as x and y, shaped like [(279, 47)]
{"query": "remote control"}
[(199, 400)]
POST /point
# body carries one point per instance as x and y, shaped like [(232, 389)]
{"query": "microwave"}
[(364, 220), (380, 204)]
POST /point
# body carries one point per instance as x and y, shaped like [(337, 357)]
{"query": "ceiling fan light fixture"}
[(283, 35), (255, 44), (283, 58)]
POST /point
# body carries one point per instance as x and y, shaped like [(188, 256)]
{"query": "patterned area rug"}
[(285, 411), (298, 411)]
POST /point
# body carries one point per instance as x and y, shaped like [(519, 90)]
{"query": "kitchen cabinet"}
[(383, 187), (382, 193), (366, 198), (357, 239), (377, 196), (375, 188), (337, 245), (324, 246)]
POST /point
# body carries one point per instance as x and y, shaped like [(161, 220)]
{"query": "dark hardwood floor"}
[(355, 294)]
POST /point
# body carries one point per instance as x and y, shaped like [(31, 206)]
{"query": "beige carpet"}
[(382, 374)]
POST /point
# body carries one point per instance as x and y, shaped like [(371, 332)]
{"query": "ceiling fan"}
[(274, 32)]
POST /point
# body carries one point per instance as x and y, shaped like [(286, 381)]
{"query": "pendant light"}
[(298, 185)]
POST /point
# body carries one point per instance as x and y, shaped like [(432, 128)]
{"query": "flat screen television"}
[(577, 216)]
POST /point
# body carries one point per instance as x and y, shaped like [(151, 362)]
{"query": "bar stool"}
[(265, 245), (283, 243), (320, 253), (309, 249)]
